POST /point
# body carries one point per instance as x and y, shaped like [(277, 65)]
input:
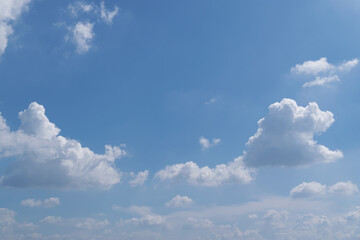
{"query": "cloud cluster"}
[(82, 32), (43, 158), (190, 172), (323, 71), (47, 203), (179, 202), (311, 189), (10, 11), (205, 143), (285, 137)]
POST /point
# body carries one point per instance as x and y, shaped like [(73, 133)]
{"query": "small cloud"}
[(78, 7), (108, 15), (253, 216), (139, 178), (344, 188), (82, 35), (51, 220), (179, 202), (47, 203), (205, 143), (323, 71), (313, 189), (211, 101), (308, 189), (190, 172)]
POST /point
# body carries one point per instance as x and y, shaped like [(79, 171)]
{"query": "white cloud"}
[(78, 7), (310, 189), (179, 202), (232, 172), (198, 223), (344, 188), (139, 178), (205, 143), (6, 216), (285, 137), (47, 203), (45, 159), (319, 81), (147, 217), (90, 224), (51, 220), (82, 35), (108, 15), (323, 71), (10, 11)]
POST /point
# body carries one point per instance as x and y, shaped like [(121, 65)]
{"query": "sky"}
[(220, 120)]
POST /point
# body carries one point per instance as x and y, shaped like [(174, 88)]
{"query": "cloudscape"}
[(171, 120)]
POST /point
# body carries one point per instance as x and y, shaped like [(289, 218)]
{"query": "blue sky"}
[(179, 119)]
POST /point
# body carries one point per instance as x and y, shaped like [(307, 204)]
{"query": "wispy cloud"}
[(323, 71)]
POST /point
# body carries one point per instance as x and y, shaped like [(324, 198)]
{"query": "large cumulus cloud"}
[(43, 158), (285, 137)]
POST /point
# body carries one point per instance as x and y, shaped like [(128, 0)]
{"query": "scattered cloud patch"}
[(323, 71), (198, 223), (205, 143), (146, 217), (108, 15), (190, 172), (311, 189), (51, 220), (81, 33), (139, 178), (179, 202), (285, 137), (10, 11), (43, 158), (91, 224), (80, 7), (47, 203)]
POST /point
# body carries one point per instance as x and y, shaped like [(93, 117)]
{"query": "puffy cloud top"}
[(232, 172), (45, 159), (285, 137)]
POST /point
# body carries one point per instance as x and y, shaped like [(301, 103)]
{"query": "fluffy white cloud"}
[(139, 178), (324, 71), (285, 137), (45, 159), (309, 189), (344, 188), (179, 201), (108, 15), (205, 143), (82, 35), (47, 203), (232, 172), (10, 11)]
